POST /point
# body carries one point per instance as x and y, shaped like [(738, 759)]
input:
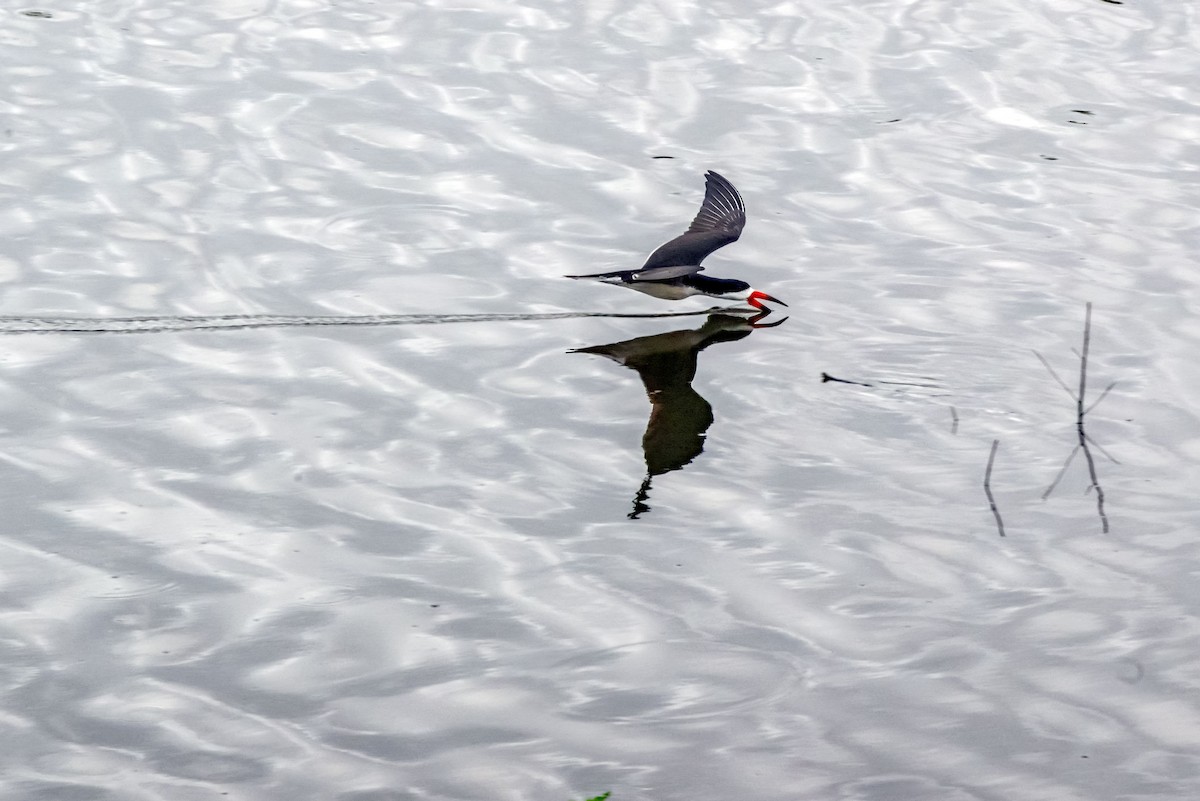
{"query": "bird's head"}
[(732, 289), (754, 297)]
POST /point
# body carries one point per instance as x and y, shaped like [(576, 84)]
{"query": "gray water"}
[(414, 552)]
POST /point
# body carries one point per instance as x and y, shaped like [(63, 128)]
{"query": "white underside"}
[(674, 291), (662, 291)]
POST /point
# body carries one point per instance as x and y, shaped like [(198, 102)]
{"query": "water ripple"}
[(369, 550)]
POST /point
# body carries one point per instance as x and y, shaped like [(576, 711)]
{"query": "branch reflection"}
[(679, 416)]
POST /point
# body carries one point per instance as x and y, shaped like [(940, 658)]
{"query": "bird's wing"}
[(665, 273), (721, 218)]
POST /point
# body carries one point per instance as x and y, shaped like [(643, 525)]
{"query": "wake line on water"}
[(235, 322)]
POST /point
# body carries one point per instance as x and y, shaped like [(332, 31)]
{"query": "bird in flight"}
[(673, 271)]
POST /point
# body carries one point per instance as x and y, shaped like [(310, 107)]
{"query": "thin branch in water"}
[(1081, 411), (1083, 437), (1096, 402), (987, 487), (1098, 447), (1083, 357), (827, 378), (1095, 481), (953, 420), (1053, 374), (1061, 473)]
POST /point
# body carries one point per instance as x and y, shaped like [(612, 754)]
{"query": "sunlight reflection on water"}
[(395, 560)]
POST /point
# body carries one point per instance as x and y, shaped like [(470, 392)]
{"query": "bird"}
[(673, 270)]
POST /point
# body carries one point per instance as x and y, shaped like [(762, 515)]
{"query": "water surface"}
[(447, 560)]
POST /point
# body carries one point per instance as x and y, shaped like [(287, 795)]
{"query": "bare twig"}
[(1061, 473), (1095, 481), (1097, 446), (1082, 409), (987, 487), (1083, 357), (827, 378), (1061, 383), (1083, 437), (1103, 395)]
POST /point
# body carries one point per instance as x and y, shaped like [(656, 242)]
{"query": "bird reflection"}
[(679, 416)]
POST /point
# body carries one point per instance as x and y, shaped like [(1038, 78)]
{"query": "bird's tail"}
[(596, 275)]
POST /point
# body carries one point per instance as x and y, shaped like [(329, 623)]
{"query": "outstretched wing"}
[(720, 221), (652, 274)]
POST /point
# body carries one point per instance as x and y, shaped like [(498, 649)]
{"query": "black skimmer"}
[(673, 271), (679, 416)]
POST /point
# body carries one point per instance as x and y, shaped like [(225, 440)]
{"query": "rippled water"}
[(475, 545)]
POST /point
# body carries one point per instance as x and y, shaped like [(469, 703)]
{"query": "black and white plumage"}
[(673, 270)]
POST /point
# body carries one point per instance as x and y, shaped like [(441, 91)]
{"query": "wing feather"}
[(721, 218)]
